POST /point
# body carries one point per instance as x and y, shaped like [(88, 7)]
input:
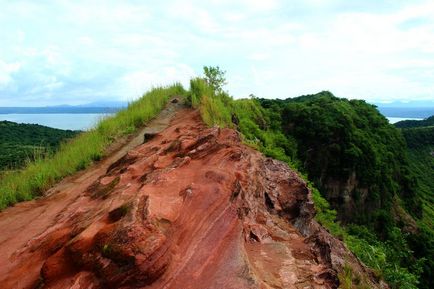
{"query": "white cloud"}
[(112, 49), (6, 71), (136, 82)]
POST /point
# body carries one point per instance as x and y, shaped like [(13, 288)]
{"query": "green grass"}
[(81, 151)]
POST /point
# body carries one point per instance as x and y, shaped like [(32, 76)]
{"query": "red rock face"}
[(191, 208)]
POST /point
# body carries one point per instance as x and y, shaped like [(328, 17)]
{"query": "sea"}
[(71, 121), (86, 121)]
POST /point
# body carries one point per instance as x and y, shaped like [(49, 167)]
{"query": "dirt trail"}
[(192, 207), (26, 223)]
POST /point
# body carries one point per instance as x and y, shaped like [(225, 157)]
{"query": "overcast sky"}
[(73, 52)]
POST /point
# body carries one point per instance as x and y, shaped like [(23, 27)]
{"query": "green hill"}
[(350, 152), (23, 142)]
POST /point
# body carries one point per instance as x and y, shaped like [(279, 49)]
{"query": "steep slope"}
[(192, 207)]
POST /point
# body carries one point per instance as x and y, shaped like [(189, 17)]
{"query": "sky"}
[(75, 52)]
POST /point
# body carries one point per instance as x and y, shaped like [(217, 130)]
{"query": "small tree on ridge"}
[(215, 77)]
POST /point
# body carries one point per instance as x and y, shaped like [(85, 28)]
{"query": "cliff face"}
[(192, 207)]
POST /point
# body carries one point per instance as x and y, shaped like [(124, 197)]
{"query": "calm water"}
[(79, 121), (396, 119), (84, 121)]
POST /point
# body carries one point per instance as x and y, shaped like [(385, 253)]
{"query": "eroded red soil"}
[(191, 208)]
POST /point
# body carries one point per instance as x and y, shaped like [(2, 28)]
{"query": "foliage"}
[(339, 139), (215, 77), (81, 151), (420, 142), (420, 137), (21, 143), (388, 259)]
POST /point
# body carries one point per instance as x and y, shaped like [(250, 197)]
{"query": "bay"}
[(72, 121)]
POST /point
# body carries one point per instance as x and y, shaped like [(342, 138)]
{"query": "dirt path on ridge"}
[(26, 221)]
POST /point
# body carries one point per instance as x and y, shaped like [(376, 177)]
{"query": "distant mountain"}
[(406, 104), (57, 109), (92, 107), (410, 112), (412, 109), (111, 104)]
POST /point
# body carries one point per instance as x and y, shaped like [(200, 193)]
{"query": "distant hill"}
[(92, 107), (111, 104), (412, 112), (406, 104), (20, 142), (57, 109), (415, 123)]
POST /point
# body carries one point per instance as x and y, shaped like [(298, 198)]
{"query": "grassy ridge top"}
[(81, 151)]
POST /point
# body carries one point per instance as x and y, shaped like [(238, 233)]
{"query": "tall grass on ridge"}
[(81, 151)]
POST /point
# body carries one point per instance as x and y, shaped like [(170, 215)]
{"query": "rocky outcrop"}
[(192, 207)]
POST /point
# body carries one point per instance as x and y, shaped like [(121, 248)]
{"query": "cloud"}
[(136, 82), (58, 52), (6, 71)]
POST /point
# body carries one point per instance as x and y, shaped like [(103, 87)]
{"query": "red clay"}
[(191, 208)]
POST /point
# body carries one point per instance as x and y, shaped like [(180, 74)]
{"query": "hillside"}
[(420, 142), (362, 165), (191, 203), (228, 193), (22, 142)]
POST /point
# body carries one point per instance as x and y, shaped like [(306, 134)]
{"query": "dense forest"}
[(365, 185), (379, 179), (22, 142), (420, 140)]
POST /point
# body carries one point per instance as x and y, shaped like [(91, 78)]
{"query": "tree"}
[(215, 77)]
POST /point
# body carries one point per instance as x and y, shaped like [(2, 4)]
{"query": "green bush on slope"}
[(81, 151)]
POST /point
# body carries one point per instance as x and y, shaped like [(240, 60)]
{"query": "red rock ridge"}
[(191, 208)]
